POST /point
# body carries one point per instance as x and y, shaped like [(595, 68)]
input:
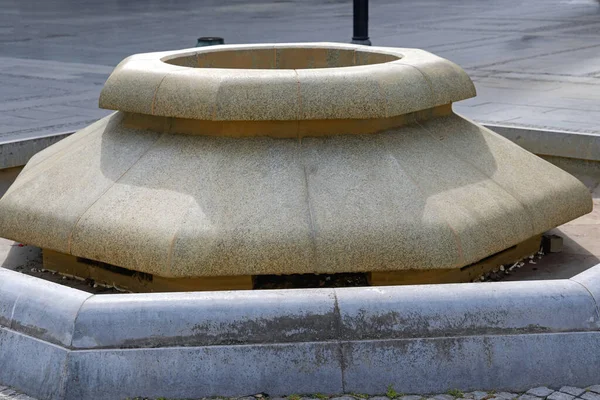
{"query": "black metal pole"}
[(361, 23)]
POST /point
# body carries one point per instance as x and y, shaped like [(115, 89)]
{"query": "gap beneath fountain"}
[(105, 275)]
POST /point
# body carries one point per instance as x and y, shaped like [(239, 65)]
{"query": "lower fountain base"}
[(468, 273), (110, 275)]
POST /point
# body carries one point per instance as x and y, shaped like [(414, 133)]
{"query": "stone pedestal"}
[(288, 158)]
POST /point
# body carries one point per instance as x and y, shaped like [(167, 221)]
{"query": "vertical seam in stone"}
[(80, 142), (384, 98), (337, 315), (459, 246), (433, 102), (213, 114), (62, 390), (155, 93), (75, 320), (70, 239), (299, 115), (75, 141), (313, 234), (525, 208), (597, 307), (175, 235), (12, 312), (169, 124)]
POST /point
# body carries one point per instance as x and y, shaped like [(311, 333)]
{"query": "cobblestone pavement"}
[(8, 393), (535, 63), (538, 393)]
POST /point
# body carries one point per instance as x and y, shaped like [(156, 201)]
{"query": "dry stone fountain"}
[(228, 162)]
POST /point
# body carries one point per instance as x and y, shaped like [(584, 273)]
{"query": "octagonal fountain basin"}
[(246, 160)]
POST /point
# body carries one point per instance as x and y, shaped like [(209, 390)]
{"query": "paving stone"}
[(401, 398), (594, 388), (479, 395), (506, 395), (443, 397), (468, 396), (528, 397), (560, 396), (573, 391), (590, 396), (541, 391), (343, 398)]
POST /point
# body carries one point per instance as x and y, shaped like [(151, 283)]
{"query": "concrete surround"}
[(58, 343)]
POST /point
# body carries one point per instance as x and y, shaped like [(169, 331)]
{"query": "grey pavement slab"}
[(506, 395), (560, 396), (590, 396), (534, 63), (541, 391), (574, 391), (594, 388)]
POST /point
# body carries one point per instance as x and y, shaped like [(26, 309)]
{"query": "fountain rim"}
[(417, 80), (327, 52)]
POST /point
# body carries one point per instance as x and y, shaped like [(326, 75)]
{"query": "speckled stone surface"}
[(284, 82), (183, 205), (438, 191)]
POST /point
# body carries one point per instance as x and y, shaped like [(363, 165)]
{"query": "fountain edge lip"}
[(418, 80)]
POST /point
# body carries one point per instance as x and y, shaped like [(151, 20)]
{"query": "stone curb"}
[(578, 145), (17, 153), (583, 146), (38, 308), (290, 316), (590, 279), (77, 320), (61, 343)]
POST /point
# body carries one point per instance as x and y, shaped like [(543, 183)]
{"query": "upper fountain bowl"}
[(284, 82)]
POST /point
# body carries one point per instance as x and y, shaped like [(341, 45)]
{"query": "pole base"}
[(209, 41), (362, 41)]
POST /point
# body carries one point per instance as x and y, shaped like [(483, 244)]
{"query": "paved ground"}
[(539, 393), (535, 62)]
